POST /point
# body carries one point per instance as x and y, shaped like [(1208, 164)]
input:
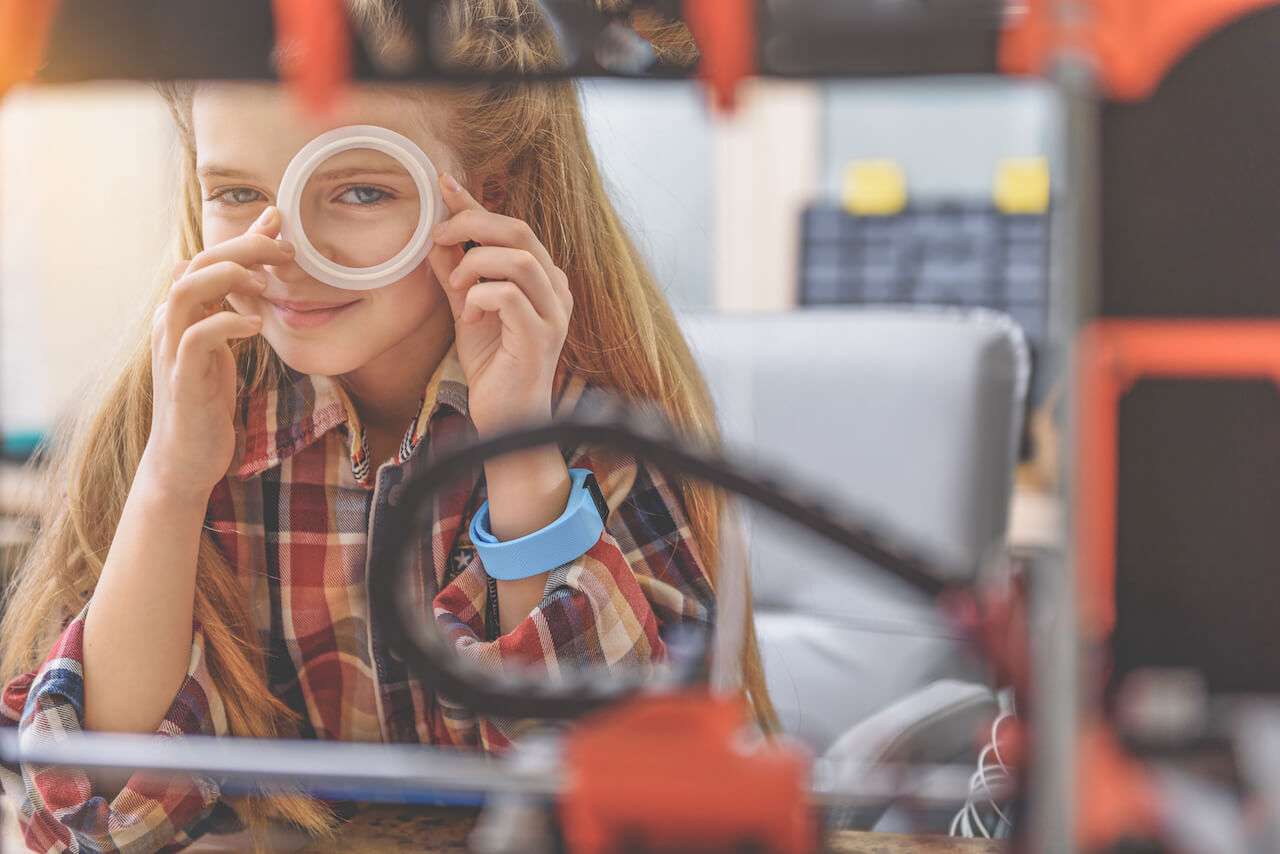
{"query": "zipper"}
[(368, 560), (491, 624)]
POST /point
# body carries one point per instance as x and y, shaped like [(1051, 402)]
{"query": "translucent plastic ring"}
[(325, 146)]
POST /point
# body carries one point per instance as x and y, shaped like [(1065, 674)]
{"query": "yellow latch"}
[(1022, 185), (874, 188)]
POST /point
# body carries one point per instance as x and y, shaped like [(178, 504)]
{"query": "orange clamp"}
[(313, 50), (725, 32), (684, 773), (1117, 797), (24, 36)]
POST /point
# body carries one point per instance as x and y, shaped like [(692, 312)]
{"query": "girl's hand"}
[(192, 436), (511, 307)]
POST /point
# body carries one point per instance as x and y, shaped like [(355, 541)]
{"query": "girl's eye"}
[(363, 196), (237, 196)]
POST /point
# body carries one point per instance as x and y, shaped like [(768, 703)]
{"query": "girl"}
[(206, 571)]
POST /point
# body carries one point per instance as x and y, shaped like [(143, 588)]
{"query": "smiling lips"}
[(308, 315)]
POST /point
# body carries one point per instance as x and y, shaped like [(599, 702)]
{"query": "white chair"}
[(911, 416)]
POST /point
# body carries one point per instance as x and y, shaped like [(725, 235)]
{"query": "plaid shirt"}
[(298, 520)]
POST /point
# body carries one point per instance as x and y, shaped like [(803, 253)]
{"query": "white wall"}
[(948, 133), (654, 144), (713, 199), (84, 196)]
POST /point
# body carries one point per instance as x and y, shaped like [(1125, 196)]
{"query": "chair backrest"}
[(909, 415)]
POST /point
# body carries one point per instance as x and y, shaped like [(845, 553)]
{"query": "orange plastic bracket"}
[(1113, 354), (1134, 43), (1116, 796), (725, 31), (24, 36), (313, 50), (681, 773)]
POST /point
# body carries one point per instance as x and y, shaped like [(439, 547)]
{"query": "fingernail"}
[(437, 231), (259, 278), (285, 246), (450, 183), (266, 216)]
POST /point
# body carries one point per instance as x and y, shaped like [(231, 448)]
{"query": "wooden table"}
[(390, 830)]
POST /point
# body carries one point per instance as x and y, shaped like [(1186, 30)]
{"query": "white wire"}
[(995, 740), (982, 778), (969, 821)]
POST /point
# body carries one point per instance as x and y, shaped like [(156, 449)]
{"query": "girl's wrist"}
[(158, 483), (527, 491), (515, 413)]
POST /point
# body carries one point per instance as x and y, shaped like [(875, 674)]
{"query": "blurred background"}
[(716, 203)]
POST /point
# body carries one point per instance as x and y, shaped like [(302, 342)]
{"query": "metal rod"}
[(397, 772), (384, 770), (132, 40), (1074, 285)]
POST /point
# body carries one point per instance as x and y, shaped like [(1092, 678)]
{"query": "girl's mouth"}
[(308, 315)]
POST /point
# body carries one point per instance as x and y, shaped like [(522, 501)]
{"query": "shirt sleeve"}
[(609, 609), (59, 808)]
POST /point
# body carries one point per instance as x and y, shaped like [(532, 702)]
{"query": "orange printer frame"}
[(1134, 42), (1112, 356)]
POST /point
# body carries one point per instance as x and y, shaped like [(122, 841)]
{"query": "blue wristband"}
[(567, 538)]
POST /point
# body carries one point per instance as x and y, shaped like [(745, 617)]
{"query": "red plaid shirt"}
[(298, 520)]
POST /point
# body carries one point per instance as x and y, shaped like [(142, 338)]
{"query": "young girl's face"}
[(245, 137)]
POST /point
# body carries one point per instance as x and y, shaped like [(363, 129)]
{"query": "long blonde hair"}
[(623, 337)]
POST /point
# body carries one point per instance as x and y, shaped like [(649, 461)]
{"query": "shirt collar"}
[(280, 419)]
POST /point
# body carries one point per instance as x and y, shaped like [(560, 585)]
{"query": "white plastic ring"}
[(325, 146)]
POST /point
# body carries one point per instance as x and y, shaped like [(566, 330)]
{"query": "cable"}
[(643, 435), (969, 822)]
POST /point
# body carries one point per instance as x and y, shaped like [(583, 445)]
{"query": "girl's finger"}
[(247, 250), (190, 296), (470, 221), (499, 263), (456, 197), (257, 246), (207, 336), (491, 229), (508, 302)]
